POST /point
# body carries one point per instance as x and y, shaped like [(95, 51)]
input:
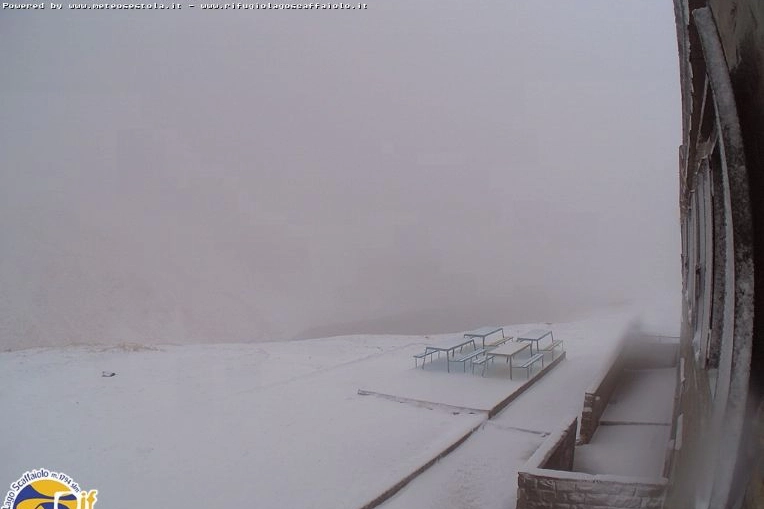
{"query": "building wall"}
[(741, 30), (723, 320)]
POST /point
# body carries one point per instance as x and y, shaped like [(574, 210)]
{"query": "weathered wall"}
[(740, 26), (741, 29), (693, 404), (556, 452), (754, 496), (549, 489), (560, 456)]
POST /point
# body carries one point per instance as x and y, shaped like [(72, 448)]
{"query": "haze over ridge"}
[(229, 176)]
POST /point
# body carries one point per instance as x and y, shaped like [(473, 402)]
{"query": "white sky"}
[(414, 167)]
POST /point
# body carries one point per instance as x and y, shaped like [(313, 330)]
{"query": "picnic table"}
[(449, 350), (535, 336), (484, 332), (509, 350)]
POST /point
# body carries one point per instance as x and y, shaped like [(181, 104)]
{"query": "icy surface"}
[(629, 450), (635, 427), (645, 395)]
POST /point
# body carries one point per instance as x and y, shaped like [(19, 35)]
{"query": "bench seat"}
[(498, 342), (529, 362), (554, 344), (423, 356), (468, 357), (483, 361)]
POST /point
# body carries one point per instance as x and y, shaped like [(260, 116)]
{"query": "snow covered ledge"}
[(598, 395), (641, 352), (546, 482)]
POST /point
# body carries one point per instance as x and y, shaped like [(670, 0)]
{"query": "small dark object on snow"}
[(107, 373)]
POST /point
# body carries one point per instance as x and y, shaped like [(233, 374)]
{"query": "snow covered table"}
[(508, 351), (535, 336), (484, 332), (450, 352)]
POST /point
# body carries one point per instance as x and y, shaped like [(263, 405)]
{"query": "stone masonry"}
[(572, 490)]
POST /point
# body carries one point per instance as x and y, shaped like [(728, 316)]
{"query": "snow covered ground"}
[(282, 424), (482, 473), (635, 427)]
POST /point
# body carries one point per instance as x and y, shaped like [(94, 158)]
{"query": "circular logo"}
[(46, 494), (44, 489)]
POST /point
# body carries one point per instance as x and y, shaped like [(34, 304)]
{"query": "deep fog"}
[(241, 175)]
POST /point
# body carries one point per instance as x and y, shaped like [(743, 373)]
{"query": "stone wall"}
[(597, 396), (546, 482), (551, 489), (559, 453)]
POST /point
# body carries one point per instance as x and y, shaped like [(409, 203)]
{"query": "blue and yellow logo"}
[(43, 489)]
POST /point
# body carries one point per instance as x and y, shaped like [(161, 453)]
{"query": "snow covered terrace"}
[(326, 423)]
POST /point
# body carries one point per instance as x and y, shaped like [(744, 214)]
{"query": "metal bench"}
[(450, 352), (554, 344), (423, 356), (498, 342), (463, 344), (528, 364), (482, 362), (468, 357)]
